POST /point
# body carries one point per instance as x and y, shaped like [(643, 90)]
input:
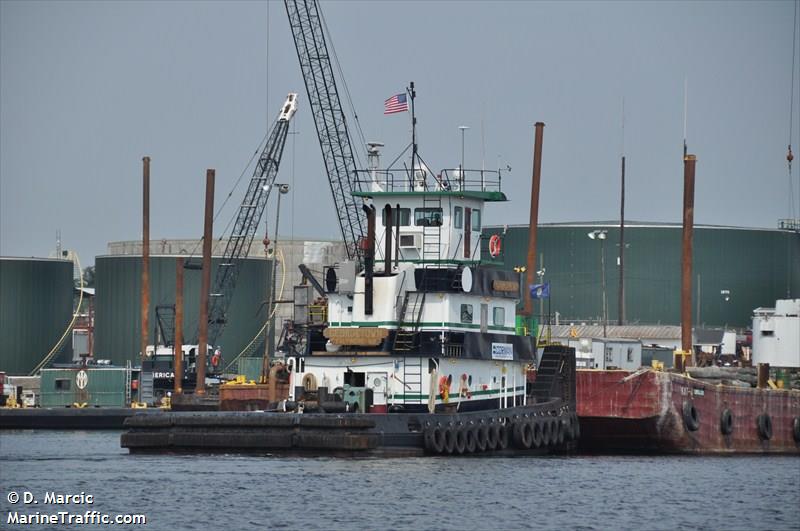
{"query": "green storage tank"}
[(736, 270), (35, 310), (117, 304), (92, 386)]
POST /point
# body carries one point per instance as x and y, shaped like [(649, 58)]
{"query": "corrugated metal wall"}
[(756, 266), (35, 309), (117, 314)]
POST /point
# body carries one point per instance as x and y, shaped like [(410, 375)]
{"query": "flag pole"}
[(413, 94)]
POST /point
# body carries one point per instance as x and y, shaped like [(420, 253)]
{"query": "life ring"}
[(726, 422), (690, 416), (215, 359), (796, 429), (309, 382), (495, 245), (764, 424), (444, 389)]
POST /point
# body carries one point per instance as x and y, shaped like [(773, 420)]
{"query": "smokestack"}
[(178, 350), (205, 285), (387, 255), (534, 219), (369, 259), (686, 261), (145, 295)]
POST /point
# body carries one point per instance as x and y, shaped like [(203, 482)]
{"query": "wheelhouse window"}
[(405, 217), (499, 316), (458, 217), (476, 220), (428, 217), (63, 384), (466, 313)]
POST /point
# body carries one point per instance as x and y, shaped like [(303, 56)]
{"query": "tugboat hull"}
[(539, 428)]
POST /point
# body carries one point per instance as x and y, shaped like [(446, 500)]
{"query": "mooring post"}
[(534, 218), (205, 284)]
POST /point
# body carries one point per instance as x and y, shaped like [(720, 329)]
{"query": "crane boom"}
[(247, 220), (329, 118)]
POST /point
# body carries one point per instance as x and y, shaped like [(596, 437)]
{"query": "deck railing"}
[(447, 180)]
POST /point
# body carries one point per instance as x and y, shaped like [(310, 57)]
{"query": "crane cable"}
[(260, 333), (60, 343)]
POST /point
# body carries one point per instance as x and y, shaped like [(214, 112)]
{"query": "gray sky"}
[(88, 88)]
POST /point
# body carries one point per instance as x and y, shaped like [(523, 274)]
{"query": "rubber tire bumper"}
[(691, 417), (726, 422), (764, 425)]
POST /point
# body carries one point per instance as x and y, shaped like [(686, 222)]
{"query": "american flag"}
[(397, 103)]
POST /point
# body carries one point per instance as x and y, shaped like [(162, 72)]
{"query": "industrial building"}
[(736, 270), (36, 297)]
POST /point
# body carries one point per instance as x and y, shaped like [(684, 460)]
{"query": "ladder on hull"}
[(412, 380)]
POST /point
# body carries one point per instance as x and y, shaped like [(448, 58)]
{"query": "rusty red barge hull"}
[(650, 411)]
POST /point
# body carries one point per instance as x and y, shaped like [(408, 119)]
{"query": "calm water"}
[(236, 492)]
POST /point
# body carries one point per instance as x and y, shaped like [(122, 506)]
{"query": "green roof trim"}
[(468, 194)]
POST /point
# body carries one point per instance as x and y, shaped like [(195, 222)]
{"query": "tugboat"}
[(421, 351)]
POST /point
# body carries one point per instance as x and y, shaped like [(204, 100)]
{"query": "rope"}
[(260, 333), (60, 343)]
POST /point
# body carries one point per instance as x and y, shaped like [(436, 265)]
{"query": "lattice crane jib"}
[(247, 220), (329, 118)]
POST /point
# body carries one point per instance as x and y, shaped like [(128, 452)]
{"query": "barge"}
[(667, 412)]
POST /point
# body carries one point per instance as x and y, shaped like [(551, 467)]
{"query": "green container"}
[(250, 368), (104, 386)]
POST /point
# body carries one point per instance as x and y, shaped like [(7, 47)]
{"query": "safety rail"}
[(447, 180)]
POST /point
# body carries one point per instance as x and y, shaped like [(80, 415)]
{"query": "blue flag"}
[(540, 291)]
